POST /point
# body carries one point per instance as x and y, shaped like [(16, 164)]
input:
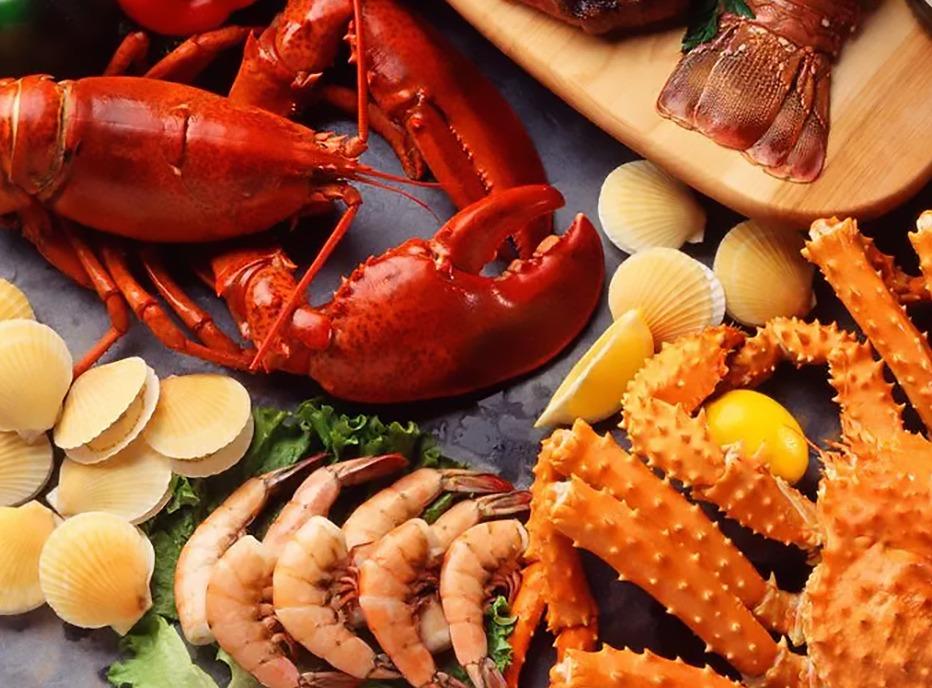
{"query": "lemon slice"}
[(594, 387), (763, 427)]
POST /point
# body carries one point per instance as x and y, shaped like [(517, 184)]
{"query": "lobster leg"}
[(107, 291), (151, 313), (131, 52), (345, 100), (193, 316), (39, 229), (184, 63)]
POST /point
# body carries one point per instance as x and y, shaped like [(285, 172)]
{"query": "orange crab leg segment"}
[(528, 608), (630, 542), (611, 667), (569, 601), (837, 248), (657, 417), (604, 465)]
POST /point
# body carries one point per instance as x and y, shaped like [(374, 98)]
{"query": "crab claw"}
[(422, 322)]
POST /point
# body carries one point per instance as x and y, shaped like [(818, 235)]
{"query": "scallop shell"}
[(220, 461), (95, 570), (641, 206), (98, 399), (35, 374), (676, 294), (13, 303), (753, 254), (126, 429), (198, 415), (23, 532), (131, 485), (24, 467)]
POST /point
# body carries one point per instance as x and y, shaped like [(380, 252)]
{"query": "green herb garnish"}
[(704, 18)]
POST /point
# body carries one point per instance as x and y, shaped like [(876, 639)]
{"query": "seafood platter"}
[(336, 351)]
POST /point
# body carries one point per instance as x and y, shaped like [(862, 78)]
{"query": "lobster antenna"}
[(298, 292), (362, 75), (401, 192), (365, 171)]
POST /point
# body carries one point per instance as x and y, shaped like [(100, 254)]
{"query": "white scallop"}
[(220, 461), (97, 399), (198, 415), (95, 570), (23, 532), (641, 206), (130, 485), (13, 303), (35, 374), (25, 467), (763, 273), (676, 294), (127, 428)]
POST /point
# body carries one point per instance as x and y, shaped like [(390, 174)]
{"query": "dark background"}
[(489, 429)]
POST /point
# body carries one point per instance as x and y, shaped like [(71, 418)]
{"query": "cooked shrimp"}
[(317, 494), (243, 621), (483, 558), (305, 576), (214, 537), (400, 565), (407, 498)]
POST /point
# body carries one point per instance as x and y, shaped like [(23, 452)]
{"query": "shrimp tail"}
[(504, 504), (485, 674), (455, 480), (362, 470), (280, 475), (329, 679)]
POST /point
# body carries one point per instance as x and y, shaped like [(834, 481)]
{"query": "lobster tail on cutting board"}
[(762, 84)]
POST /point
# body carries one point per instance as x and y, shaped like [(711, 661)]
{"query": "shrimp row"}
[(418, 588)]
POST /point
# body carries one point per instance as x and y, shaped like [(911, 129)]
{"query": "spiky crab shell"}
[(868, 618)]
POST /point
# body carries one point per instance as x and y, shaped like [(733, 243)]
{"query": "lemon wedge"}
[(594, 387), (762, 426)]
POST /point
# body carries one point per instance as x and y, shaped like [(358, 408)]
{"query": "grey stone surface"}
[(491, 429)]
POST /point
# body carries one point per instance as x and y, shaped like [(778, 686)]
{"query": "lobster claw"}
[(421, 321)]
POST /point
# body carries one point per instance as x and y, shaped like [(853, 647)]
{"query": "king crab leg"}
[(658, 404), (604, 465), (564, 587), (643, 554), (836, 247)]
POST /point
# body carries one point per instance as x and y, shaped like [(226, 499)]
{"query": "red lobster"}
[(165, 162)]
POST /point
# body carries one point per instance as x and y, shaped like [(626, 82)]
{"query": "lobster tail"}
[(762, 84)]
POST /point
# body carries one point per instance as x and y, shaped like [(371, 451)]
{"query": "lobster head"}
[(421, 321)]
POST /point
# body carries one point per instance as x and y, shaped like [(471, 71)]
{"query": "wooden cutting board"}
[(880, 146)]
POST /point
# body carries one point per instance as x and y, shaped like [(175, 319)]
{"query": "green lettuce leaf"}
[(500, 624), (284, 437), (239, 677), (168, 532), (158, 658)]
